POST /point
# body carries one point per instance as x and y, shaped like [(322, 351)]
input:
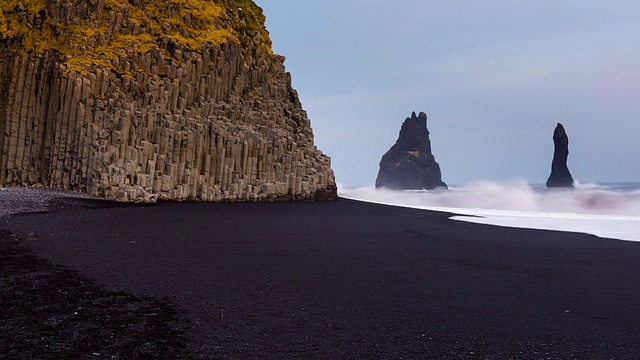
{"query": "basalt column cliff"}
[(143, 99)]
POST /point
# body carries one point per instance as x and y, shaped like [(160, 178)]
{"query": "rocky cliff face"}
[(409, 164), (144, 99), (560, 176)]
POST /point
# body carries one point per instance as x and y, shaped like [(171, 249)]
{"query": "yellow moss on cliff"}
[(10, 24), (197, 20), (201, 9), (125, 27)]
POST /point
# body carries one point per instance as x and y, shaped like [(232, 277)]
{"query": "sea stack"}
[(145, 100), (560, 176), (409, 164)]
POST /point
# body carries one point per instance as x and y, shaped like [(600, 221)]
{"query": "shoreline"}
[(606, 213), (345, 279)]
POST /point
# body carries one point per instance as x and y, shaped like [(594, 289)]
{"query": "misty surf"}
[(605, 210)]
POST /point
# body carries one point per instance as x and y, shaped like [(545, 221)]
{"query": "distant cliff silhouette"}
[(409, 164), (560, 176)]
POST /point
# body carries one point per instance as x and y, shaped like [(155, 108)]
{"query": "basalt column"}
[(135, 101)]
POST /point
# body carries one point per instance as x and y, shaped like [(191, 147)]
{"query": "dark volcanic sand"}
[(308, 280)]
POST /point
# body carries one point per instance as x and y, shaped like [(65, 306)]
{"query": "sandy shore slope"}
[(308, 280)]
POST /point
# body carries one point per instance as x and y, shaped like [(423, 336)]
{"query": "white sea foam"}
[(605, 211)]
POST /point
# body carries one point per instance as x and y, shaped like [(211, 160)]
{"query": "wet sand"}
[(342, 280)]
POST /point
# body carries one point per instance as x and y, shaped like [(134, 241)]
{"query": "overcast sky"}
[(493, 76)]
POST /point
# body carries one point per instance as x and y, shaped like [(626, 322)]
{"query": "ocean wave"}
[(605, 210), (516, 195)]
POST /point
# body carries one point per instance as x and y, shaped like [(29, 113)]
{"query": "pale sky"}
[(493, 76)]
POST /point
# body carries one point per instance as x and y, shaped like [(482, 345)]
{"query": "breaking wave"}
[(610, 210)]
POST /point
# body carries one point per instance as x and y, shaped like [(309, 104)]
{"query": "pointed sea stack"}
[(560, 176), (409, 164)]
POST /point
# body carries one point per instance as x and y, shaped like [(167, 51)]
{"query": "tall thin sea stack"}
[(409, 164), (560, 176), (140, 100)]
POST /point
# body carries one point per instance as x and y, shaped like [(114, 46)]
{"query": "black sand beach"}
[(342, 280)]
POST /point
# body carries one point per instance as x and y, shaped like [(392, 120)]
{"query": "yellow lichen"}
[(115, 4), (199, 9), (94, 42), (35, 6), (82, 64), (141, 44), (4, 27)]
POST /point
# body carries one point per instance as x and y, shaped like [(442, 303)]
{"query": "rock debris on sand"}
[(31, 199)]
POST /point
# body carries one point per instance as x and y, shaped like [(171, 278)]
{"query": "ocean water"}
[(608, 210)]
